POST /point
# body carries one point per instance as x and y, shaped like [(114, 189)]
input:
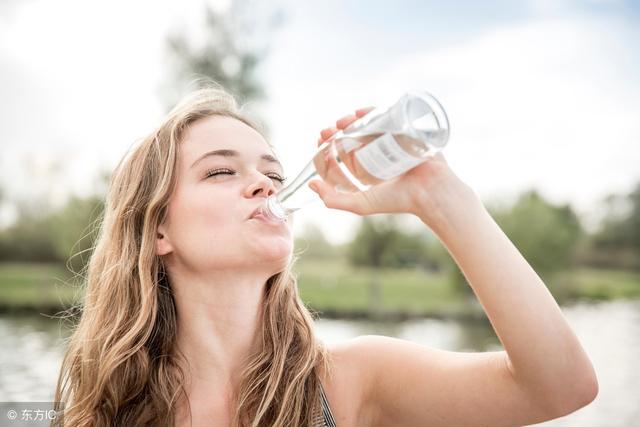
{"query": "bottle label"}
[(384, 158), (349, 144)]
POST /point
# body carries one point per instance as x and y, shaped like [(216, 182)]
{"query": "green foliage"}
[(633, 220), (53, 237), (76, 229), (547, 235), (338, 285), (36, 286), (617, 242), (601, 284), (326, 285), (28, 239), (372, 240), (405, 250), (381, 242)]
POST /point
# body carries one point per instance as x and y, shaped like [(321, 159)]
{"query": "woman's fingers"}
[(355, 202), (363, 111), (327, 132), (346, 121), (343, 123)]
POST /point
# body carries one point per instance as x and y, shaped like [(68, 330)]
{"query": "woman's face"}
[(208, 226)]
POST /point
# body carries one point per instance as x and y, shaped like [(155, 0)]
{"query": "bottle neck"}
[(292, 197), (303, 177)]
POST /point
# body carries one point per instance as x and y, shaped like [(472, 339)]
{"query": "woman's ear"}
[(163, 245)]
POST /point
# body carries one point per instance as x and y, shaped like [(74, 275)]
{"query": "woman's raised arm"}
[(543, 373)]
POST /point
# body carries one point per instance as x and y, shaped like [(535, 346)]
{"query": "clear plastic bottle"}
[(383, 144)]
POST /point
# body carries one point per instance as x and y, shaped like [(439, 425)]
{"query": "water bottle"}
[(381, 145)]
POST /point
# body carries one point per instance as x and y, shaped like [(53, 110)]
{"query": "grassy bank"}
[(35, 287), (597, 284), (335, 289)]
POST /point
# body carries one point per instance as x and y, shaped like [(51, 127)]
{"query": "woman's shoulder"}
[(348, 385)]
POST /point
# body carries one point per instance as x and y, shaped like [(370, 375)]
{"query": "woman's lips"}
[(258, 215), (256, 211)]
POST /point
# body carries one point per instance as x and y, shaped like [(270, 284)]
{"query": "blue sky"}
[(540, 93)]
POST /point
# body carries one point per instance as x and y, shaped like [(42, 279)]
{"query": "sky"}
[(540, 94)]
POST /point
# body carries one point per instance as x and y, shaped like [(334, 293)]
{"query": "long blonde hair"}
[(121, 365)]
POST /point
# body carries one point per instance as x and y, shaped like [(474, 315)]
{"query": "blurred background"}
[(543, 98)]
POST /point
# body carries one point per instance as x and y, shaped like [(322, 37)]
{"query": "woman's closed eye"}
[(225, 171)]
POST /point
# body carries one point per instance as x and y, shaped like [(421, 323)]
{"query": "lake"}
[(32, 348)]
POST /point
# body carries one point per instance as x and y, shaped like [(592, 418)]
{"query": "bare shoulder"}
[(352, 388), (379, 381), (347, 386), (358, 365)]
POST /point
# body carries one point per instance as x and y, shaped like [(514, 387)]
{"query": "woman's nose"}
[(261, 186)]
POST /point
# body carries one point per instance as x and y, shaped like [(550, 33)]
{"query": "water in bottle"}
[(383, 144)]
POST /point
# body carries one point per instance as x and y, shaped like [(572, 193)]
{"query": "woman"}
[(192, 315)]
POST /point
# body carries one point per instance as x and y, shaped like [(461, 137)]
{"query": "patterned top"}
[(325, 418)]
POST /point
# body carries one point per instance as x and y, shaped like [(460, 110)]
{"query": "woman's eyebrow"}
[(232, 153)]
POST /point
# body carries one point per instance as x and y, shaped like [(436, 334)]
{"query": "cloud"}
[(551, 104), (549, 7), (81, 82)]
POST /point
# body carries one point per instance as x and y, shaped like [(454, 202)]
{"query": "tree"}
[(617, 241), (2, 196), (373, 240), (30, 238), (64, 235), (381, 242), (228, 49), (547, 235), (76, 229)]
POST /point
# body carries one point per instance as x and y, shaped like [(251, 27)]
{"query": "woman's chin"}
[(274, 250)]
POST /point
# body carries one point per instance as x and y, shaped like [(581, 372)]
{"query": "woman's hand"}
[(430, 191)]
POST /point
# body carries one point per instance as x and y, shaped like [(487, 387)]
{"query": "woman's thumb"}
[(334, 199)]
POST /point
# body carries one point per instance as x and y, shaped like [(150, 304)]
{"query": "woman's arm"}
[(544, 372), (544, 355)]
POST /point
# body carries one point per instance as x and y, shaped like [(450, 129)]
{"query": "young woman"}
[(192, 317)]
